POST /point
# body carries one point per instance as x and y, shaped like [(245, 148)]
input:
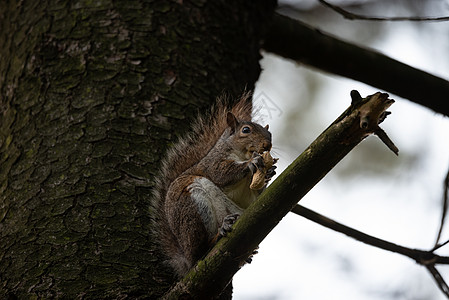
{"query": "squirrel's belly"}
[(240, 193)]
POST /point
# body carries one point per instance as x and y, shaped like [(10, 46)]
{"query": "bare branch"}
[(444, 212), (438, 279), (386, 140), (420, 256), (425, 258), (352, 16), (295, 40), (438, 246)]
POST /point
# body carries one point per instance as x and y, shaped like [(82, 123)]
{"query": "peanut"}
[(258, 180)]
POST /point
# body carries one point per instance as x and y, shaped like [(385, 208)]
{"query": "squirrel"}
[(204, 182)]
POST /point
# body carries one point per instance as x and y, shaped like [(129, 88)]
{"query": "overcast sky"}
[(394, 198)]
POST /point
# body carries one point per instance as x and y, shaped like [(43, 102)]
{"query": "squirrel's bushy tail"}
[(188, 151)]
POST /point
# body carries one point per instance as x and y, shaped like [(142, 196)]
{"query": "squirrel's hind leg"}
[(190, 237), (197, 212)]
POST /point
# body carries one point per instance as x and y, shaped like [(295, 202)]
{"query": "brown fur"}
[(204, 178)]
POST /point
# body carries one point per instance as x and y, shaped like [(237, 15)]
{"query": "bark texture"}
[(91, 95)]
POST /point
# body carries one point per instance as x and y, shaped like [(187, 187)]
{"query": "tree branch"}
[(427, 259), (438, 279), (420, 256), (295, 40), (211, 275), (352, 16), (444, 212)]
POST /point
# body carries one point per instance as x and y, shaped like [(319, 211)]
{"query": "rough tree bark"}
[(91, 95)]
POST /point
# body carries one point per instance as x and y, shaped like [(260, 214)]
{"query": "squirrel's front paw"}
[(270, 173), (228, 221), (256, 162)]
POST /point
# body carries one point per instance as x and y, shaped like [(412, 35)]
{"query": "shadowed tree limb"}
[(211, 275), (295, 40), (427, 259), (444, 212), (438, 279), (422, 257), (352, 16)]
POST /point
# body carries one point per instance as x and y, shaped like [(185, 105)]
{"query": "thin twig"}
[(425, 258), (440, 245), (352, 16), (386, 140), (439, 279), (443, 214), (420, 256)]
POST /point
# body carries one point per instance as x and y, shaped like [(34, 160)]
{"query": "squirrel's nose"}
[(266, 146)]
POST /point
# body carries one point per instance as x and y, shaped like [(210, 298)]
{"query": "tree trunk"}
[(91, 95)]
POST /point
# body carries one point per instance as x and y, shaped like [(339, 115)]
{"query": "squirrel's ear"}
[(266, 127), (232, 121)]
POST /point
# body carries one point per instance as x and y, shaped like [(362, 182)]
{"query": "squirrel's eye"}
[(246, 129)]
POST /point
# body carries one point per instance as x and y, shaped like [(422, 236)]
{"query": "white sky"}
[(302, 260)]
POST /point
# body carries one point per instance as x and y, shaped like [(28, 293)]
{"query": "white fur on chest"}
[(213, 205)]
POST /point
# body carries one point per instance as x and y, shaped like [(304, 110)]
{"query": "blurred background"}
[(398, 199)]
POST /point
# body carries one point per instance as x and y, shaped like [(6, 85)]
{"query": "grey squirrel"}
[(204, 182)]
